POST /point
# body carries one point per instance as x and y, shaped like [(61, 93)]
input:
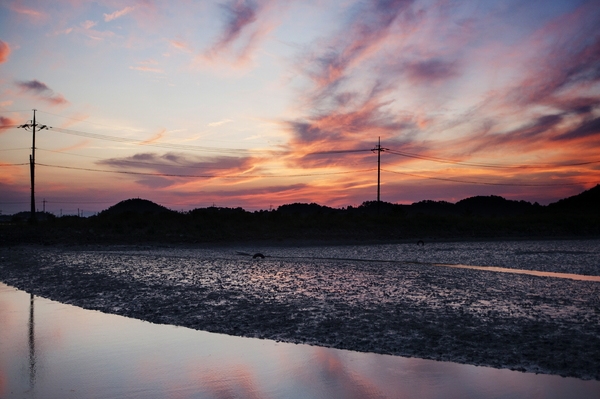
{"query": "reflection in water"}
[(89, 354), (571, 276), (31, 343)]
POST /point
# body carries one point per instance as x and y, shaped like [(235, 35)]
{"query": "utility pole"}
[(27, 126), (379, 151)]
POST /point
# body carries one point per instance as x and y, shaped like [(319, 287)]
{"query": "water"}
[(53, 350)]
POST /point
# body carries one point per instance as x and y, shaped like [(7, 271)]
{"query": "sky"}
[(259, 103)]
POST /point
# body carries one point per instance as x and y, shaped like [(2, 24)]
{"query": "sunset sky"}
[(259, 103)]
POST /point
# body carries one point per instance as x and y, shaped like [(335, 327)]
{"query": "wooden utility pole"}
[(32, 126), (379, 150)]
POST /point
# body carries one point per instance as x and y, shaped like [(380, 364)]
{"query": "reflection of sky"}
[(508, 83), (91, 354)]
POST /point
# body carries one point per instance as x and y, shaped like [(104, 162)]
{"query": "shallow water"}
[(558, 256), (53, 350)]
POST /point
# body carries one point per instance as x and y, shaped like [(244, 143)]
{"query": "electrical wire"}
[(488, 165), (205, 176), (16, 149), (235, 151), (486, 183), (131, 162)]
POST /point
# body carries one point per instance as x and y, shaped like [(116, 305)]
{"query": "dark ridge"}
[(135, 205), (493, 206), (304, 209), (586, 202)]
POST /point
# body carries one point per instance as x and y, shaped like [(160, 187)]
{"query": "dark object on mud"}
[(420, 243), (258, 255)]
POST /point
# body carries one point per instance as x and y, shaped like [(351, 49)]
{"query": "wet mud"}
[(503, 320)]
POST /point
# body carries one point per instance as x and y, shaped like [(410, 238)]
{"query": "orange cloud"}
[(4, 51), (6, 123), (156, 137)]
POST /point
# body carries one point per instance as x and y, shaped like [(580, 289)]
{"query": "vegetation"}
[(481, 217)]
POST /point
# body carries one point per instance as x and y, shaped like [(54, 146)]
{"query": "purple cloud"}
[(240, 13), (42, 91), (245, 25), (173, 165), (431, 70), (34, 85), (585, 129), (367, 28)]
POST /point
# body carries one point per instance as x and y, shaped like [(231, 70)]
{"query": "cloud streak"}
[(245, 24), (4, 51), (6, 123), (172, 165), (42, 91), (118, 14)]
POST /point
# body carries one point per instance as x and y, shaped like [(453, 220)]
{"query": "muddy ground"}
[(521, 322)]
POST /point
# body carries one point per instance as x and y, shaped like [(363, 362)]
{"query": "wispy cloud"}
[(219, 123), (88, 24), (147, 66), (146, 69), (245, 24), (42, 91), (118, 14), (172, 164), (6, 123), (362, 35), (156, 137), (4, 51), (31, 13)]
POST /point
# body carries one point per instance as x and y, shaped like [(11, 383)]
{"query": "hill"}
[(135, 205)]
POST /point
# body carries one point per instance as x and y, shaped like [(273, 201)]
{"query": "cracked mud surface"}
[(504, 320)]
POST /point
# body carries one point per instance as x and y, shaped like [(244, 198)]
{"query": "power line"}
[(132, 162), (336, 152), (15, 149), (205, 176), (235, 151), (488, 165), (487, 183), (465, 163), (13, 164)]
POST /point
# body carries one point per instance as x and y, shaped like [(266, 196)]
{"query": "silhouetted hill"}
[(481, 217), (493, 206), (587, 202), (135, 205), (304, 209), (429, 207)]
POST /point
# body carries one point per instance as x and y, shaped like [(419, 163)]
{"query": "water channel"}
[(52, 350)]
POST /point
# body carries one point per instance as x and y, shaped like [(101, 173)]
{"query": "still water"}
[(53, 350)]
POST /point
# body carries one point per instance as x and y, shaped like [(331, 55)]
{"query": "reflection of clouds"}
[(227, 381), (345, 382)]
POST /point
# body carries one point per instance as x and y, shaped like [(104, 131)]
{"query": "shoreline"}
[(474, 317)]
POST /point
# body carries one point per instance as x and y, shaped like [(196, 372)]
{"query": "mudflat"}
[(503, 320)]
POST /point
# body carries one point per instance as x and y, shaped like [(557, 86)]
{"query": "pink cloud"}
[(156, 137), (42, 91), (28, 12), (118, 14), (4, 51), (6, 123)]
